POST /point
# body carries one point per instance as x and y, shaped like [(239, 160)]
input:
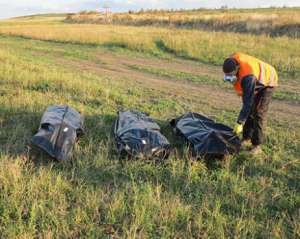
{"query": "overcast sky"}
[(11, 8)]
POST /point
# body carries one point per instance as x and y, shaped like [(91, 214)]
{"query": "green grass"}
[(203, 46), (97, 195), (174, 74)]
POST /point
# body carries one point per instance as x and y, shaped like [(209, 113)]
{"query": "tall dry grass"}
[(208, 47), (274, 22)]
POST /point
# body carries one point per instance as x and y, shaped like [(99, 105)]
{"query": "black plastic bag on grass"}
[(138, 136), (205, 137), (58, 131)]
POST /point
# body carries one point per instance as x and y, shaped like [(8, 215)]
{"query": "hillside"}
[(272, 21), (101, 68)]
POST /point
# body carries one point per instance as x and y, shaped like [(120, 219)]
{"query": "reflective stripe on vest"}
[(273, 77), (264, 73), (267, 75)]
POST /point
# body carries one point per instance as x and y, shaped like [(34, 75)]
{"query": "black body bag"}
[(59, 128), (138, 136), (206, 137)]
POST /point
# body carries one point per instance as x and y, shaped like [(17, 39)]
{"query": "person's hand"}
[(238, 128)]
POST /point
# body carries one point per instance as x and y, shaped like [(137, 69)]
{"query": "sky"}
[(12, 8)]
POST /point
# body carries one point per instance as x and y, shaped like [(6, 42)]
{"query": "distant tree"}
[(83, 12), (70, 16)]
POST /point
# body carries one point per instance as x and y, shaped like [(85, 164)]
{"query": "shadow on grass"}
[(96, 165), (181, 54), (18, 126), (95, 161)]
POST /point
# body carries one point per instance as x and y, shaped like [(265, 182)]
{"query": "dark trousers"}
[(255, 123)]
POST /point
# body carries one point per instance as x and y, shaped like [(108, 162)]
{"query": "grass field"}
[(207, 47), (165, 72)]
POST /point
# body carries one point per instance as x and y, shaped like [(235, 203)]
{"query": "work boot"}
[(256, 150)]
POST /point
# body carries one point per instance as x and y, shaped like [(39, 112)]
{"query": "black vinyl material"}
[(138, 136), (59, 128), (206, 137)]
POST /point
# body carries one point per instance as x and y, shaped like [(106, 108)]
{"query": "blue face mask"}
[(231, 79)]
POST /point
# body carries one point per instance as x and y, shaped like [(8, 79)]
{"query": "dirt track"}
[(116, 67)]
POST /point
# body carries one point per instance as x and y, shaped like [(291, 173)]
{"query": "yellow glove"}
[(238, 128)]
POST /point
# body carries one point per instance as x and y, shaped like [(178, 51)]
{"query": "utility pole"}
[(106, 11)]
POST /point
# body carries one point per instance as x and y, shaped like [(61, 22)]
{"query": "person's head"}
[(230, 69)]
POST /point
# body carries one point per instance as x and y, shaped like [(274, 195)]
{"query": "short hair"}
[(229, 65)]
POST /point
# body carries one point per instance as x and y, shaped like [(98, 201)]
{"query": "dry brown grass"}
[(89, 17), (274, 22), (209, 47)]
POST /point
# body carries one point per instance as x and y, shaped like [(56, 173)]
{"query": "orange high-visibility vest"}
[(264, 73)]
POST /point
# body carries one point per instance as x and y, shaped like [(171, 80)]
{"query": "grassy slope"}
[(95, 194), (208, 47), (271, 21)]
